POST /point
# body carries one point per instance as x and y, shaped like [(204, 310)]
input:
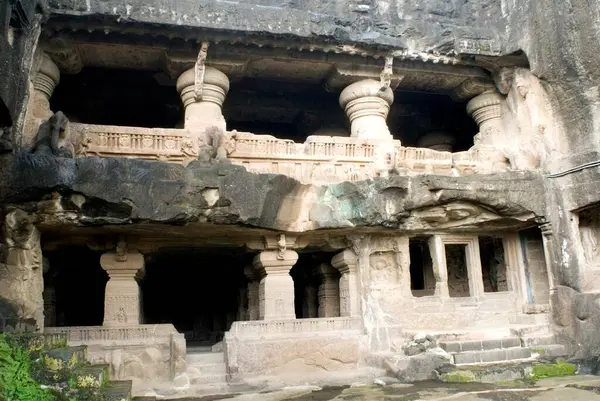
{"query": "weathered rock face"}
[(104, 191), (444, 27)]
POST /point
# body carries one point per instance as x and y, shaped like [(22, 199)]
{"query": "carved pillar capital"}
[(367, 106), (274, 262), (345, 261), (205, 110), (486, 110), (48, 76), (122, 300)]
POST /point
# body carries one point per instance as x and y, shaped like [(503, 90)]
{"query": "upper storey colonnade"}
[(368, 150)]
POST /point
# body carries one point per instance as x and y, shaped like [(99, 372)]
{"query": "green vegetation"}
[(458, 377), (16, 382), (560, 368), (29, 372)]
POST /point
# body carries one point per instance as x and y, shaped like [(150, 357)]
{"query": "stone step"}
[(213, 368), (209, 379), (550, 351), (479, 345), (205, 358), (495, 355), (118, 390), (100, 372), (532, 341), (531, 330)]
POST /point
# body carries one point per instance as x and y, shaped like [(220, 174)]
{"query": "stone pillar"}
[(122, 300), (253, 283), (440, 141), (367, 107), (329, 291), (346, 262), (438, 257), (276, 288), (204, 111)]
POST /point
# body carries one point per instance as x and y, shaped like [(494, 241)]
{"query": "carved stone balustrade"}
[(423, 161), (174, 145), (294, 327), (319, 160)]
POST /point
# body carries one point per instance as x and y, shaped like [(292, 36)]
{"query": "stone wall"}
[(293, 347)]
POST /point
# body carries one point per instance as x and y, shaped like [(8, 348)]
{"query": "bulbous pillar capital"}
[(48, 76), (367, 106), (485, 107), (204, 110)]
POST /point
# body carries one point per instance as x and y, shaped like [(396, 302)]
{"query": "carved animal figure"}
[(54, 137), (218, 143)]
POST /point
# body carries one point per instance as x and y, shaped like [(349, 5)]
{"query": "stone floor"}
[(574, 388)]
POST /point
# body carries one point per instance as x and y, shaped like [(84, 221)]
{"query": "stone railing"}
[(173, 145), (423, 160), (295, 326), (319, 160), (94, 334)]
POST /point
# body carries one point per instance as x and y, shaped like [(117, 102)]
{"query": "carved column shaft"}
[(252, 293), (367, 107), (203, 111), (329, 291), (276, 288), (122, 298), (346, 262)]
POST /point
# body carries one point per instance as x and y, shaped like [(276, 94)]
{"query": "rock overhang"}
[(93, 192)]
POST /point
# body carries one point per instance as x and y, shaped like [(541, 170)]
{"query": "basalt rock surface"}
[(92, 191)]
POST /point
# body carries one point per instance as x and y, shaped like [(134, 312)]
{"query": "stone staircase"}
[(206, 369), (523, 344)]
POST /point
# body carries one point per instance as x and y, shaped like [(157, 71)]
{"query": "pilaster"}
[(122, 298), (346, 262), (276, 288), (203, 101)]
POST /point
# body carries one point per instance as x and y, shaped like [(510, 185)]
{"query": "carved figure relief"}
[(383, 267), (54, 137), (589, 229)]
